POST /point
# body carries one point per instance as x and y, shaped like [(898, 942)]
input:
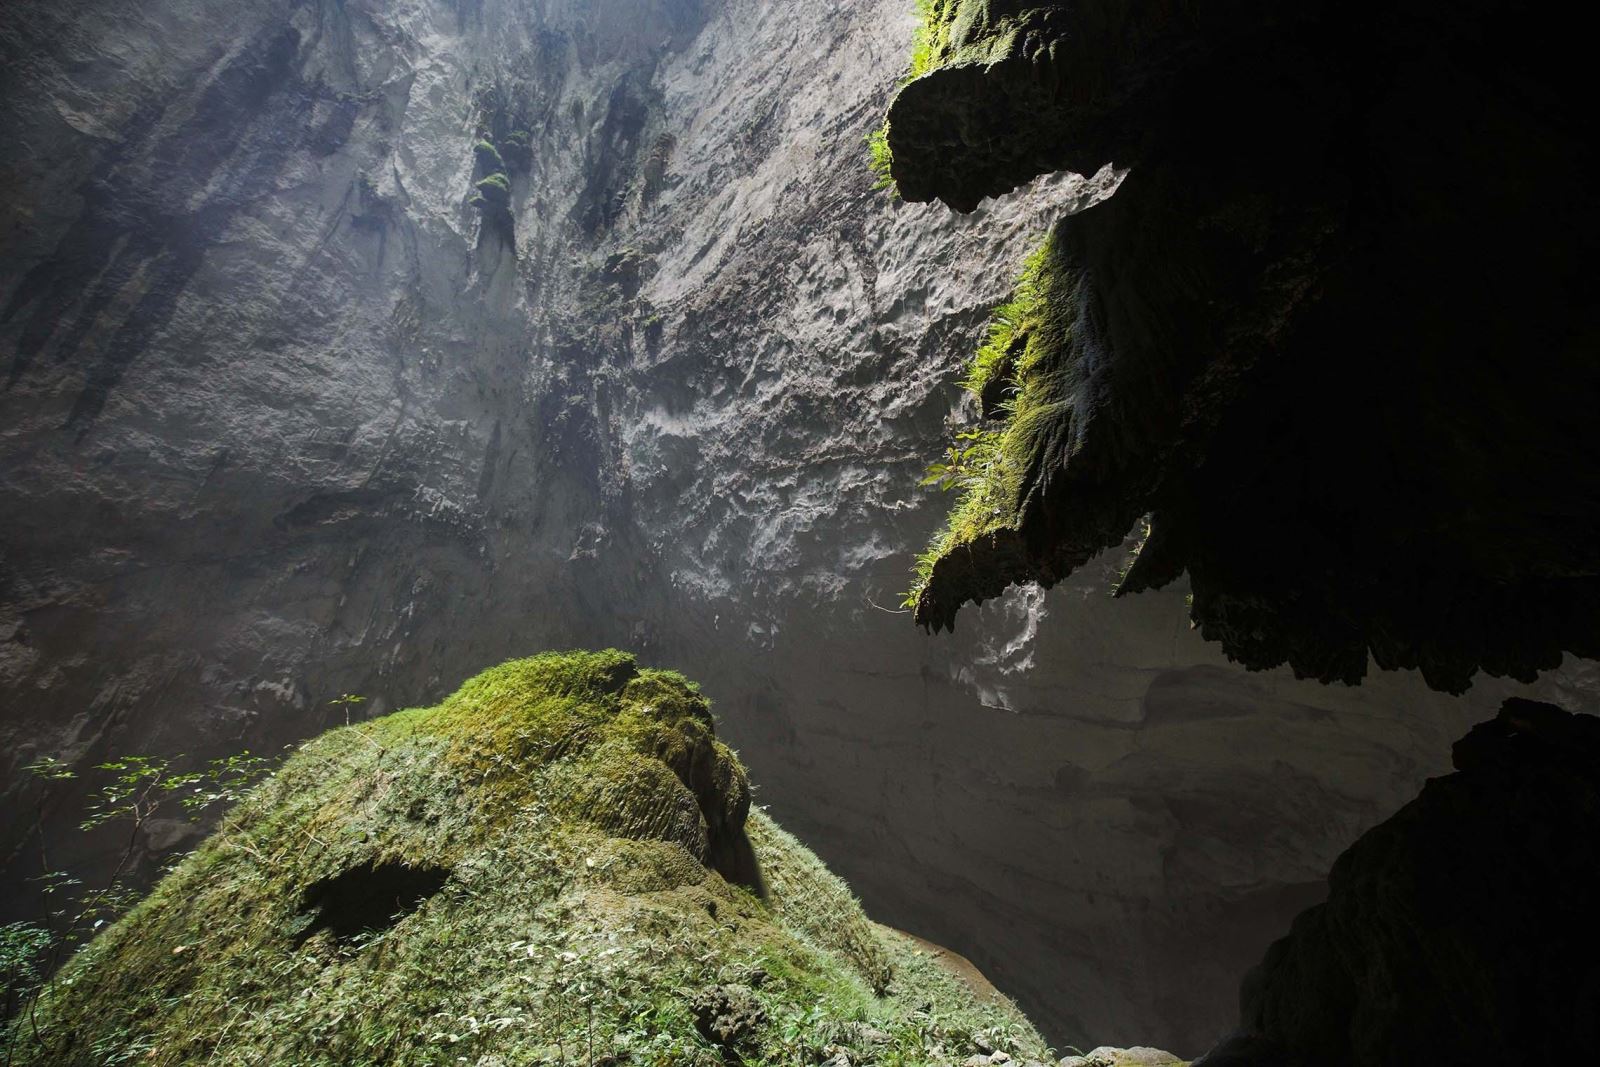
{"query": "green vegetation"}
[(929, 41), (527, 873), (1022, 378), (880, 159), (488, 158), (133, 791), (518, 150), (494, 190)]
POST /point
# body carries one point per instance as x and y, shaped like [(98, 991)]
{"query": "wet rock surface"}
[(281, 419)]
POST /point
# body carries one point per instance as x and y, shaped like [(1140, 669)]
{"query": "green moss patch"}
[(527, 873), (1024, 377)]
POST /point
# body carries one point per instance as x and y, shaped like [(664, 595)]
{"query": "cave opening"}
[(370, 897)]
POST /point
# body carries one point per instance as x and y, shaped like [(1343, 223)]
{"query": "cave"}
[(1121, 475), (369, 898)]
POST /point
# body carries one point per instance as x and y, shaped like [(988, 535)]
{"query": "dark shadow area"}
[(733, 857), (370, 897)]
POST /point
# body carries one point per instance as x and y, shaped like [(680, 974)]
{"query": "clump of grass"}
[(552, 824), (929, 42), (1008, 325), (494, 190), (488, 157)]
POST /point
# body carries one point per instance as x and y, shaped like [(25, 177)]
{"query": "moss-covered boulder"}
[(558, 864)]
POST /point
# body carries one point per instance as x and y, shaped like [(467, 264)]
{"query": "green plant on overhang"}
[(928, 43), (495, 190), (880, 160), (932, 35), (517, 150), (966, 462), (1021, 379)]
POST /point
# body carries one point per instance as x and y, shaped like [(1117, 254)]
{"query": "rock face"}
[(520, 871), (1349, 385), (285, 415), (1460, 930)]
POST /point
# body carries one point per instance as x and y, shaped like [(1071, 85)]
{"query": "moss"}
[(514, 876), (929, 41), (880, 160), (495, 190), (984, 78), (488, 158), (518, 150), (1023, 376)]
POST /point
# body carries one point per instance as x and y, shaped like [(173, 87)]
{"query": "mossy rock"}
[(488, 158), (1264, 344), (1050, 431), (558, 863), (495, 190)]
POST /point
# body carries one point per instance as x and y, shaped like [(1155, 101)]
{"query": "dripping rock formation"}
[(1333, 333)]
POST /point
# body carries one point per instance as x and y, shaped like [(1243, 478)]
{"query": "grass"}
[(495, 189), (564, 815), (1022, 378), (880, 160)]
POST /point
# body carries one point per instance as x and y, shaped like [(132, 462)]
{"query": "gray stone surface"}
[(277, 422), (1138, 1056)]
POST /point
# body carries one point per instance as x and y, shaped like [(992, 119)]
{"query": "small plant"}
[(966, 462), (880, 159), (139, 788), (23, 948), (346, 701)]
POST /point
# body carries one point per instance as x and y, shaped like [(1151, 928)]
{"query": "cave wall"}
[(281, 418)]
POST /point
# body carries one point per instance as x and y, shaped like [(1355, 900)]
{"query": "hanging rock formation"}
[(1333, 333)]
